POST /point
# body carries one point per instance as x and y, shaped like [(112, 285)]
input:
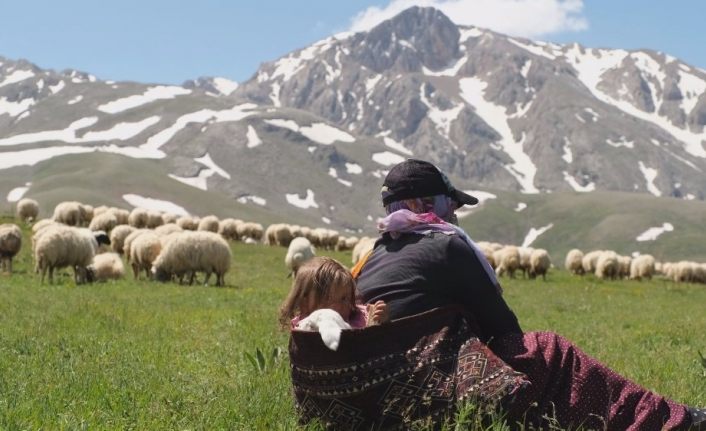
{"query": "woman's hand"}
[(377, 313)]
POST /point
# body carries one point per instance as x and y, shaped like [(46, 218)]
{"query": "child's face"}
[(339, 301)]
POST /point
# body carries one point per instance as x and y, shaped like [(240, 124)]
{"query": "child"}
[(322, 282)]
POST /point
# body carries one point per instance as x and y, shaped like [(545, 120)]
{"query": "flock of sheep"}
[(607, 264), (163, 246), (166, 246)]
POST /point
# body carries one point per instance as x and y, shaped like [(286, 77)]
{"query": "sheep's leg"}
[(135, 270), (51, 274), (191, 279), (220, 279), (9, 265), (208, 276)]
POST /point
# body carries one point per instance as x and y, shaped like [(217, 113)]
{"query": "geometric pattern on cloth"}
[(386, 376)]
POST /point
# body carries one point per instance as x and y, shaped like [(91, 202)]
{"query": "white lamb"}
[(10, 245), (573, 262), (27, 210), (328, 323), (189, 252), (106, 266), (300, 250)]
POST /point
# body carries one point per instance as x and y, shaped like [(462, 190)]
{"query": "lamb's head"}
[(329, 324)]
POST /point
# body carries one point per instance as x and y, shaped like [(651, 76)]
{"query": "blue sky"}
[(171, 41)]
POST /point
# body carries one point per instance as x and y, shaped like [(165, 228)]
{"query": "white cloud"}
[(525, 18)]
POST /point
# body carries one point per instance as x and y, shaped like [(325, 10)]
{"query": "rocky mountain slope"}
[(311, 135)]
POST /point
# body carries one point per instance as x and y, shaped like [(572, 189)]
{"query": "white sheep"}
[(624, 265), (300, 250), (607, 265), (507, 260), (487, 251), (106, 266), (27, 210), (572, 263), (105, 221), (539, 263), (250, 230), (62, 246), (525, 255), (144, 249), (208, 224), (138, 218), (589, 261), (121, 214), (127, 244), (364, 246), (188, 222), (641, 267), (10, 245), (167, 229), (190, 252), (168, 218), (118, 235), (228, 228), (154, 219), (68, 213)]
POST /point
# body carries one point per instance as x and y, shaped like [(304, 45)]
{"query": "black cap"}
[(417, 179)]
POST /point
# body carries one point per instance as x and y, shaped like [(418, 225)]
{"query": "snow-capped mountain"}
[(317, 129)]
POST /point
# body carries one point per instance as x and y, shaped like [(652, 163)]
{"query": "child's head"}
[(321, 282)]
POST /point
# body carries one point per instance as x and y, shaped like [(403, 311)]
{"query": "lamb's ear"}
[(330, 334)]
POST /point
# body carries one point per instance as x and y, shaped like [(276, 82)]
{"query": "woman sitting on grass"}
[(424, 261)]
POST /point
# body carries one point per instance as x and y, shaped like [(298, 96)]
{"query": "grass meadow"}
[(142, 355)]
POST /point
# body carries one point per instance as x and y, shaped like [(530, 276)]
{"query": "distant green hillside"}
[(102, 179), (597, 220)]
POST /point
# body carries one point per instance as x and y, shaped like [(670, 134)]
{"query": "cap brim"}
[(464, 198)]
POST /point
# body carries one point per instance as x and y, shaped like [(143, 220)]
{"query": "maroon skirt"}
[(573, 390)]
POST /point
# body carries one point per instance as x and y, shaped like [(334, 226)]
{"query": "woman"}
[(424, 261)]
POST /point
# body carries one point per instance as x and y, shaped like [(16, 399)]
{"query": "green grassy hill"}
[(590, 221), (143, 355)]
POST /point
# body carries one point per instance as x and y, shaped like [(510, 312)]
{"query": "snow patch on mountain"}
[(16, 76), (534, 233), (522, 168), (622, 142), (17, 193), (568, 155), (150, 95), (253, 139), (224, 86), (387, 158), (252, 198), (15, 108), (75, 100), (152, 204), (449, 71), (442, 119), (397, 146), (209, 163), (354, 168), (521, 206), (650, 175), (576, 186), (318, 132), (304, 203), (691, 87), (653, 233)]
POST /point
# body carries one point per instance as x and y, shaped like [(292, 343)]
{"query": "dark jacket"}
[(416, 273)]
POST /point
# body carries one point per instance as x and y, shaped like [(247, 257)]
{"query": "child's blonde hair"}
[(313, 283)]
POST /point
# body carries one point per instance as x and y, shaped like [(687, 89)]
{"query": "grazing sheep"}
[(41, 224), (62, 246), (295, 230), (250, 230), (539, 263), (589, 261), (300, 250), (487, 251), (208, 224), (189, 252), (10, 245), (106, 266), (364, 246), (27, 210), (507, 260), (624, 264), (683, 272), (144, 249), (525, 254), (154, 219), (607, 265), (105, 222), (121, 214), (573, 262), (188, 222), (641, 267), (118, 235), (68, 213), (228, 228), (127, 244), (138, 218), (282, 235)]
